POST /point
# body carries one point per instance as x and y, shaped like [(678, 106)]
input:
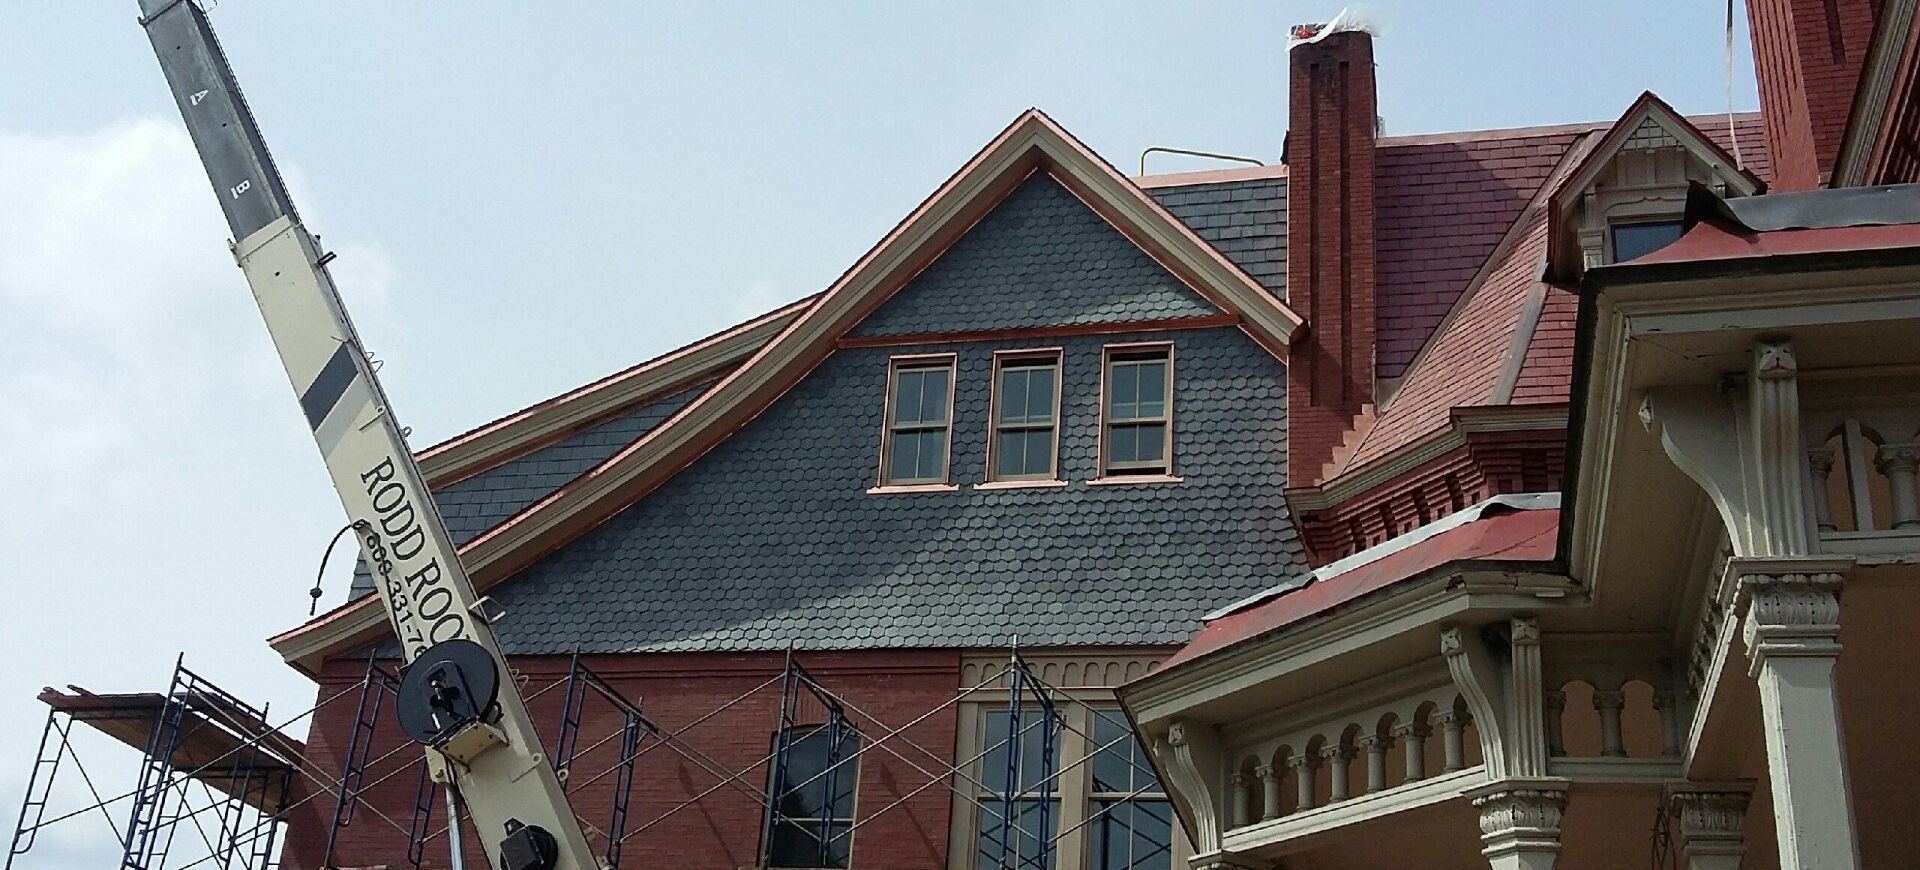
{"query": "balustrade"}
[(1863, 467), (1260, 779)]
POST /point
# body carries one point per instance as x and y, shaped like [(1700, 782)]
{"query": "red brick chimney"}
[(1807, 56), (1330, 246)]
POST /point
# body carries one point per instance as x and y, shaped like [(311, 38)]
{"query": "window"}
[(1103, 808), (811, 821), (1028, 770), (919, 421), (1133, 820), (1633, 241), (1137, 412), (1026, 402)]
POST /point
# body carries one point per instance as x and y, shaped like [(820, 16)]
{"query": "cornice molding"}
[(1464, 422)]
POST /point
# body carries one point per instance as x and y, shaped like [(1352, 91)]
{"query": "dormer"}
[(1626, 197)]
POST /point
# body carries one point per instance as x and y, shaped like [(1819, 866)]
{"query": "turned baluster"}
[(1376, 746), (1340, 763), (1899, 462), (1269, 791), (1302, 766), (1820, 462), (1609, 703), (1556, 707), (1453, 724), (1413, 738)]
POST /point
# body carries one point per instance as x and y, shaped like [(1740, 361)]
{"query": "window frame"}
[(1074, 846), (850, 761), (1096, 797), (1105, 472), (1013, 359), (896, 365)]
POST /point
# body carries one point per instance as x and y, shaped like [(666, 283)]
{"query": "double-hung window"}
[(1019, 805), (919, 421), (1137, 414), (1132, 818), (1026, 411), (811, 821)]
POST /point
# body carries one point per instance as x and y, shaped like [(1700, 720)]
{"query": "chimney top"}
[(1349, 19)]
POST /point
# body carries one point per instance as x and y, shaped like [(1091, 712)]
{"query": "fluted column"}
[(1707, 820), (1302, 766), (1820, 463), (1413, 742), (1269, 791), (1610, 702), (1376, 746), (1520, 822), (1453, 724), (1667, 703), (1899, 463), (1555, 703), (1241, 799), (1339, 758), (1792, 629)]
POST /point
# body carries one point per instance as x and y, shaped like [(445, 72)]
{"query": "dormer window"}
[(1631, 241)]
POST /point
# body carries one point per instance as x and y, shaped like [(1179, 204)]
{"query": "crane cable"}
[(314, 606)]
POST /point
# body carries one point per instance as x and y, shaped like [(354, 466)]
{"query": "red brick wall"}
[(1807, 56), (1330, 245), (719, 832)]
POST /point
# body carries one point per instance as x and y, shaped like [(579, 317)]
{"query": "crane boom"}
[(479, 738)]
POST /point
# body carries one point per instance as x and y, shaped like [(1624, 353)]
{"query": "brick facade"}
[(720, 831)]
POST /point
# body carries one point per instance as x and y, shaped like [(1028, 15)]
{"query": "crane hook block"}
[(450, 686), (528, 847)]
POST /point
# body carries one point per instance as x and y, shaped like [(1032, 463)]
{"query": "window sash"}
[(794, 837), (919, 422), (1013, 391), (1132, 408)]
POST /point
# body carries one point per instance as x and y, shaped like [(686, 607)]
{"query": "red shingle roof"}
[(1517, 536)]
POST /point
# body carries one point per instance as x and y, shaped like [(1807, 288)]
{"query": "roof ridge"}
[(1456, 136)]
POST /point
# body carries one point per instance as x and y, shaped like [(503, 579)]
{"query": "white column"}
[(1707, 819), (1609, 702), (1302, 766), (1820, 462), (1899, 463), (1241, 799), (1453, 724), (1520, 822), (1269, 791), (1667, 703), (1555, 703), (1376, 746), (1339, 758), (1413, 740), (1791, 628)]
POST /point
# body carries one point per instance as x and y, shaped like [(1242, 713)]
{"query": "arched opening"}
[(1580, 724), (1640, 726), (1289, 786)]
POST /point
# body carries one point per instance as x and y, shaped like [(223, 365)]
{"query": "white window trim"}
[(1002, 359), (895, 364), (1103, 473)]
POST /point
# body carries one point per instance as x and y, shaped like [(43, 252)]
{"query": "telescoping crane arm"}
[(479, 738)]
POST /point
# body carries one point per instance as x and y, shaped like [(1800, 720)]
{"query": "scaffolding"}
[(209, 761), (251, 776)]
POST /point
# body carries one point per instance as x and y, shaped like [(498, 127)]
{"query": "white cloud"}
[(158, 489)]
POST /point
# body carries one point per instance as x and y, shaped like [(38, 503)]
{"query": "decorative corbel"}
[(1477, 676), (1190, 754)]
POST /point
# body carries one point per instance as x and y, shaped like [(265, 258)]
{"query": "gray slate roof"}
[(482, 501), (1040, 258), (772, 537), (1245, 220)]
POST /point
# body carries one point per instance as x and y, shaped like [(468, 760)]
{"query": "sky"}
[(524, 198)]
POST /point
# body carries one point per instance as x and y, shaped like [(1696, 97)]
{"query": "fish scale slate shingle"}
[(1245, 220), (478, 503), (772, 538), (1039, 258)]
